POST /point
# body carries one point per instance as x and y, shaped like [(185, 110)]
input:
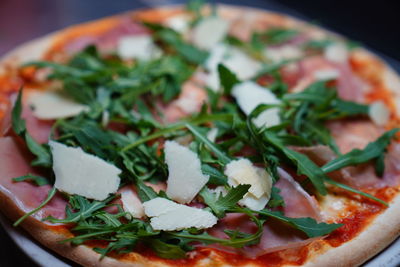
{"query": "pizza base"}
[(376, 236)]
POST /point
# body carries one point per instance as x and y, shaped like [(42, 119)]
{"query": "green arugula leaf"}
[(165, 250), (145, 192), (227, 78), (307, 225), (18, 124), (218, 152), (187, 51), (83, 209), (372, 151), (276, 199), (37, 180), (220, 204), (42, 152), (216, 176)]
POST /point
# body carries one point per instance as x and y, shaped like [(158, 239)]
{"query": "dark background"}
[(373, 23)]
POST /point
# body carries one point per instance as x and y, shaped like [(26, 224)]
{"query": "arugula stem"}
[(178, 126), (50, 195)]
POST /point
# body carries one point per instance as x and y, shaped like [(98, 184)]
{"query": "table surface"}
[(39, 17)]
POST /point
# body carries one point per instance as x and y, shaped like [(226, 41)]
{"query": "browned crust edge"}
[(381, 232)]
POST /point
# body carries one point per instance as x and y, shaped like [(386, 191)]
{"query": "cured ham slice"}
[(108, 40), (38, 129), (276, 235), (14, 163), (357, 135), (349, 85)]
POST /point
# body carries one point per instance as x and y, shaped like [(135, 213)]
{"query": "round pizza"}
[(201, 135)]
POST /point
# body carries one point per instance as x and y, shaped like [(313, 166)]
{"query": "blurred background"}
[(372, 23)]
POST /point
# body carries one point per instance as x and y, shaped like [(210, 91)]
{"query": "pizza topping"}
[(139, 47), (131, 203), (285, 104), (209, 32), (169, 216), (242, 171), (179, 23), (234, 59), (83, 174), (336, 52), (185, 178), (379, 113), (51, 105), (249, 95)]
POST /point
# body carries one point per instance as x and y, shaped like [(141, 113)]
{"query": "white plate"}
[(390, 257)]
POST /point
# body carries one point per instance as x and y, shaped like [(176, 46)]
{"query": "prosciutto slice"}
[(14, 163), (38, 129), (108, 40), (276, 235), (349, 85), (356, 134)]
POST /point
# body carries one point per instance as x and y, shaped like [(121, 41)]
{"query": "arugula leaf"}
[(18, 124), (307, 225), (42, 153), (372, 151), (145, 192), (350, 189), (165, 250), (276, 199), (220, 204), (187, 51), (277, 35), (83, 209), (49, 197), (37, 180), (227, 77), (218, 152), (236, 241), (216, 176)]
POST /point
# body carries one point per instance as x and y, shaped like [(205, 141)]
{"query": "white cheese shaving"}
[(170, 216), (131, 203), (234, 59), (336, 52), (285, 52), (185, 178), (179, 23), (379, 113), (50, 105), (242, 171), (212, 134), (80, 173), (139, 47), (326, 74), (249, 95), (209, 32)]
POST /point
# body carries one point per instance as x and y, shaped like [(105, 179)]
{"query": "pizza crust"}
[(380, 233)]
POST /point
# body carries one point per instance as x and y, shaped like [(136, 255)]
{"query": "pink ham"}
[(189, 101), (276, 235), (356, 134), (14, 163), (349, 85), (107, 41), (38, 129)]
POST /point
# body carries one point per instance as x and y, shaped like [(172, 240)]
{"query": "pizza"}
[(201, 135)]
